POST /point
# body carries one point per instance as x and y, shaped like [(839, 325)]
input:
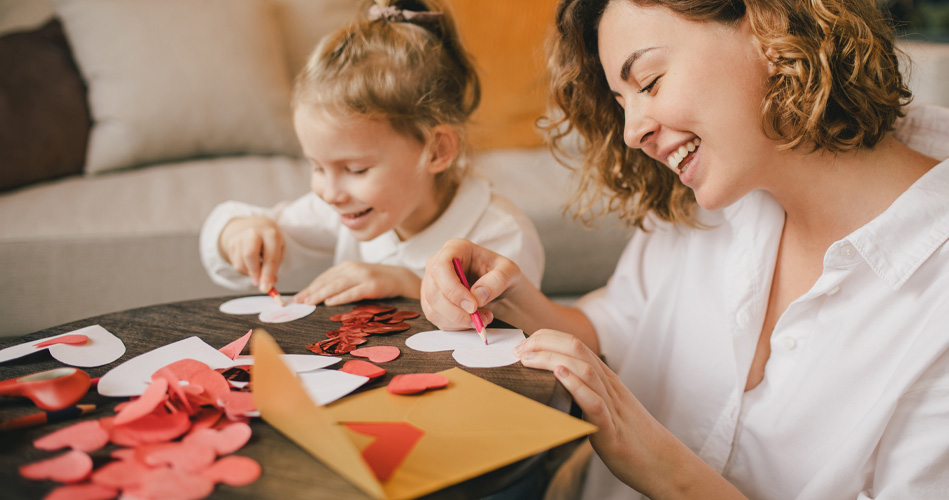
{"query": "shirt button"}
[(833, 290), (848, 251), (789, 343)]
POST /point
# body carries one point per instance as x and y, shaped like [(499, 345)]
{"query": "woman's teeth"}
[(676, 157)]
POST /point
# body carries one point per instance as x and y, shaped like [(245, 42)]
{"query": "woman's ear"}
[(443, 150)]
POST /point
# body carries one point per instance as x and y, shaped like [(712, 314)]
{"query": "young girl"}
[(380, 111), (778, 328)]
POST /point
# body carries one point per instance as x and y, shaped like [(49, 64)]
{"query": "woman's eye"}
[(649, 87)]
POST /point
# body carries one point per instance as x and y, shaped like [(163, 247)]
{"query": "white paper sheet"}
[(101, 348), (326, 386), (266, 309), (131, 377), (467, 347)]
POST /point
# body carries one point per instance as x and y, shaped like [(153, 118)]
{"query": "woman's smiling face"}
[(373, 176), (691, 94)]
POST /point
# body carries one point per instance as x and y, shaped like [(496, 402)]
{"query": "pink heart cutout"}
[(183, 456), (70, 467), (363, 368), (233, 470), (84, 436), (224, 441), (84, 491), (378, 353), (155, 394)]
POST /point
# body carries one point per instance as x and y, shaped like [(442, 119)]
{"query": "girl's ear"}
[(443, 149)]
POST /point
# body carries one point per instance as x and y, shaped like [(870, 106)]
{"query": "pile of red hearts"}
[(186, 400), (363, 321)]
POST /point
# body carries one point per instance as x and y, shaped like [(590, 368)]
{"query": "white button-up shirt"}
[(855, 397), (313, 233)]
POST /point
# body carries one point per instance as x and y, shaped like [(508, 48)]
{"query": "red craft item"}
[(233, 350), (171, 484), (84, 491), (74, 339), (340, 344), (237, 404), (233, 470), (363, 368), (70, 467), (152, 428), (223, 441), (394, 441), (187, 457), (378, 353), (379, 328), (84, 436), (121, 473), (50, 390), (413, 383), (155, 394)]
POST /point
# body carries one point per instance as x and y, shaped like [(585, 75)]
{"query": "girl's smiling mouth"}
[(356, 215)]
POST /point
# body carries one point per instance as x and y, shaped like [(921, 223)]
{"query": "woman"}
[(776, 329)]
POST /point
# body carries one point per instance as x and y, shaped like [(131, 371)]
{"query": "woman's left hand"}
[(350, 281), (634, 446)]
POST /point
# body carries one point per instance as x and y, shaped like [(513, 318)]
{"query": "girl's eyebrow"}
[(628, 65)]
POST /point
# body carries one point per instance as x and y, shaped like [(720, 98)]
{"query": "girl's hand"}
[(254, 246), (634, 446), (445, 300), (351, 281)]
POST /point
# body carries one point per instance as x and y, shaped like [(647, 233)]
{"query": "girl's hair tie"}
[(397, 15)]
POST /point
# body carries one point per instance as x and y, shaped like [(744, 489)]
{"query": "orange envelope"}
[(470, 427)]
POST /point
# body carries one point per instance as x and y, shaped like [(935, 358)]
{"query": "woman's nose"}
[(639, 130)]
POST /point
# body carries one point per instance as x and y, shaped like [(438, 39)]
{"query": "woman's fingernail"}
[(517, 349), (481, 294), (529, 355), (467, 306)]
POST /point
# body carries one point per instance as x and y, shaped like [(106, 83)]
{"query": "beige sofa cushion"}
[(173, 79)]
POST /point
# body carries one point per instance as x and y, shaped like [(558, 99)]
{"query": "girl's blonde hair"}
[(413, 73), (837, 87)]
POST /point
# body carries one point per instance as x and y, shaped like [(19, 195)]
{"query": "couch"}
[(122, 124)]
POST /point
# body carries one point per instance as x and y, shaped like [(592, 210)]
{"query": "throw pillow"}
[(44, 118), (174, 79), (507, 39)]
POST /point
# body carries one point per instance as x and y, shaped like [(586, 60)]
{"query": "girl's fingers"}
[(271, 255), (250, 256)]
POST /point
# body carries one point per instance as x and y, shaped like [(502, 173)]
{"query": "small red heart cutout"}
[(363, 368), (413, 383), (70, 467), (378, 353)]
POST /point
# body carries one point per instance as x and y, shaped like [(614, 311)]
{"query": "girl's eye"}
[(358, 171), (648, 88)]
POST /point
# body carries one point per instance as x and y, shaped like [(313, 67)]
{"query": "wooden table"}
[(288, 471)]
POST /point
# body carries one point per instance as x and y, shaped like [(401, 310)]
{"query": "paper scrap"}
[(467, 347)]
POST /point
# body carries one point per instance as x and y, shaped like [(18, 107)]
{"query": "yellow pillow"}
[(506, 38)]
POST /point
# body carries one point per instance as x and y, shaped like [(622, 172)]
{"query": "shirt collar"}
[(899, 240)]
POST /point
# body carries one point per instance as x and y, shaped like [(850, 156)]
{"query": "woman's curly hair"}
[(837, 87)]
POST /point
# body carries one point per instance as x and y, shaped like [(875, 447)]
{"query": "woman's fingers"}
[(593, 404)]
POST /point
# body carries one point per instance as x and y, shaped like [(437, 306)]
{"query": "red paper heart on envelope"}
[(394, 441), (413, 383)]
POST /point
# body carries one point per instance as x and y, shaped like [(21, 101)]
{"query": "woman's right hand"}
[(445, 300), (254, 246)]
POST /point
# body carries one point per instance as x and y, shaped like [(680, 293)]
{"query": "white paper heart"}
[(468, 348), (101, 348)]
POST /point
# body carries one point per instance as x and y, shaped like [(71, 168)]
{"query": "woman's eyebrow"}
[(628, 65)]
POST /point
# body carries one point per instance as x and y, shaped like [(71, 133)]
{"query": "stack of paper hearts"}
[(363, 321), (177, 438)]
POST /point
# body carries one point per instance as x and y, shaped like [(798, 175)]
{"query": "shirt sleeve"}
[(309, 227)]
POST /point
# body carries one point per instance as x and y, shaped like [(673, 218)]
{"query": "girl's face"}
[(373, 176), (691, 94)]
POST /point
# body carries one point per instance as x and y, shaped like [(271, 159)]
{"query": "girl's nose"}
[(330, 190), (639, 130)]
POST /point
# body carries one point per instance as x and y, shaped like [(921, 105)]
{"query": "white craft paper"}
[(467, 347), (102, 348), (132, 377), (326, 386), (297, 363), (267, 310)]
